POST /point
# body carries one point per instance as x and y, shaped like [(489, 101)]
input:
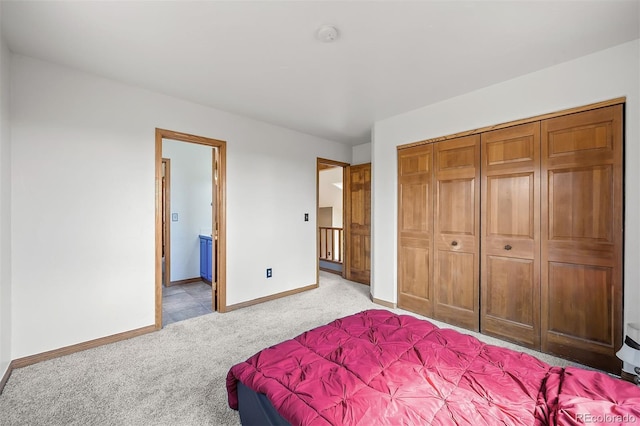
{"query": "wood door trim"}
[(331, 162), (167, 221), (541, 117), (346, 223), (221, 211)]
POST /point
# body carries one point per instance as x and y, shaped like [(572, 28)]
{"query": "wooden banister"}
[(331, 245)]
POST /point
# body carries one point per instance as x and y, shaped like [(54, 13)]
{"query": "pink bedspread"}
[(376, 367)]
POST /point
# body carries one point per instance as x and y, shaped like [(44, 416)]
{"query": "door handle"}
[(508, 247), (454, 243)]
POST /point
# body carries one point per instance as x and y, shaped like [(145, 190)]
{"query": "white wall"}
[(361, 154), (330, 195), (191, 189), (83, 203), (5, 209), (601, 76)]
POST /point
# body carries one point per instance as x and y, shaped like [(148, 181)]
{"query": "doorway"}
[(353, 239), (330, 216), (215, 256)]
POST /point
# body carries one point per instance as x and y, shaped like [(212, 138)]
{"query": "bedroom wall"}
[(83, 203), (5, 209), (191, 197), (361, 154), (600, 76)]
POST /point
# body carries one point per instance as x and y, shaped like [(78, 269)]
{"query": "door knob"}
[(508, 247)]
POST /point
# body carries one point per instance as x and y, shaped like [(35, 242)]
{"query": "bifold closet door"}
[(581, 236), (415, 229), (510, 268), (456, 231)]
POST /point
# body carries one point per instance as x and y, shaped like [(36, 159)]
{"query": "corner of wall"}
[(5, 212), (361, 154)]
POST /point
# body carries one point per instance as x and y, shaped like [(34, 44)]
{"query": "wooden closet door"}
[(456, 231), (359, 223), (415, 229), (582, 237), (510, 268)]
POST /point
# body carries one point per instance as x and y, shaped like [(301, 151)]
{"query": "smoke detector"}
[(327, 33)]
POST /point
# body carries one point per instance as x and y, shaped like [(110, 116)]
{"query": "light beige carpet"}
[(176, 376)]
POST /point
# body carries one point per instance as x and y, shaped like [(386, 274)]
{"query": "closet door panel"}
[(504, 300), (568, 204), (510, 268), (455, 205), (583, 286), (582, 237), (415, 229), (415, 267), (456, 231), (456, 286)]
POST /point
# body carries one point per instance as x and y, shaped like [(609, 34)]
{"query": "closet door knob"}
[(508, 247), (454, 243)]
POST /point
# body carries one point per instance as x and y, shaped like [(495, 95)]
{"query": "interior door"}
[(510, 269), (581, 232), (359, 223), (415, 229), (215, 202), (456, 231), (166, 221)]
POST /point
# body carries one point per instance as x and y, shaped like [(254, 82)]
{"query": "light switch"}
[(174, 217)]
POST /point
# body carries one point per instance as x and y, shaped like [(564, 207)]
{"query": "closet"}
[(516, 232)]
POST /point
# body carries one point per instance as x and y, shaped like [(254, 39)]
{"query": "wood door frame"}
[(166, 229), (221, 213), (344, 166)]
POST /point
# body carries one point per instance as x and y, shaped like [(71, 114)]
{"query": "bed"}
[(376, 367)]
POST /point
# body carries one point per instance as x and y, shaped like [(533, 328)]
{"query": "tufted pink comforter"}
[(376, 367)]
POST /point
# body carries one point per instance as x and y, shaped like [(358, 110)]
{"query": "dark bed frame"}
[(256, 410)]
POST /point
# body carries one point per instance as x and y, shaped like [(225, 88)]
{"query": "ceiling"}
[(261, 59)]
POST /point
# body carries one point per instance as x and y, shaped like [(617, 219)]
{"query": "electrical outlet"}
[(269, 273)]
